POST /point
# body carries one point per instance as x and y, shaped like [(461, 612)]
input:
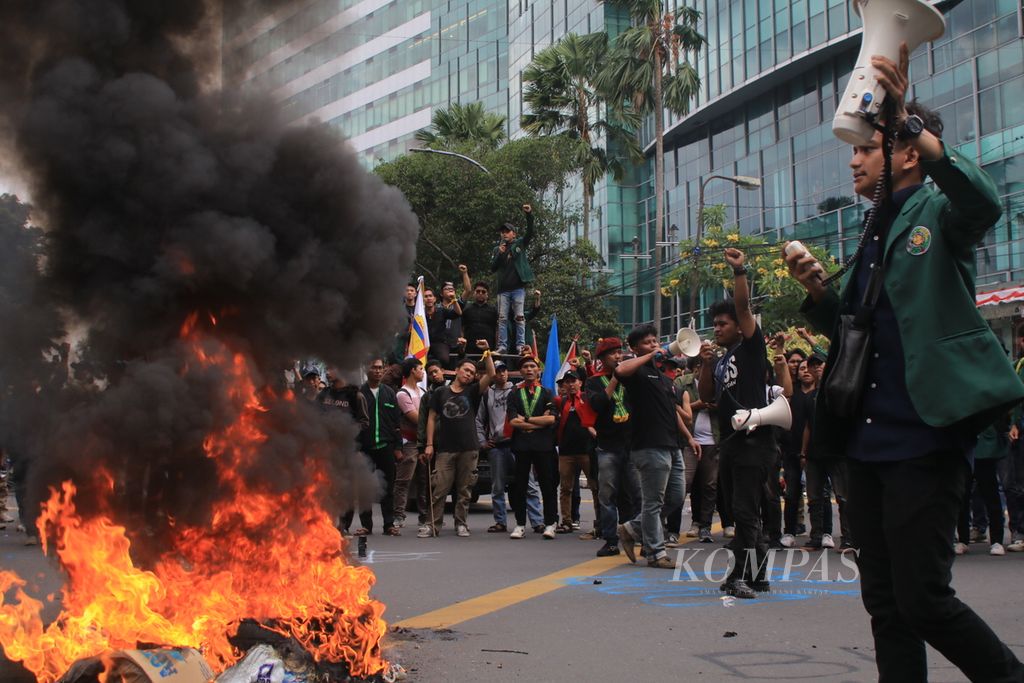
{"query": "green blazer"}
[(518, 248), (956, 370)]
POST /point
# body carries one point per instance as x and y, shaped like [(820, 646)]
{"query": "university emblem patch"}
[(919, 241)]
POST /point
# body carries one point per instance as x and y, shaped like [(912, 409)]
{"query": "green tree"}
[(460, 209), (649, 69), (776, 296), (561, 92), (458, 124)]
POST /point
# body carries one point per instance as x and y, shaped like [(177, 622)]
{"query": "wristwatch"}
[(911, 127)]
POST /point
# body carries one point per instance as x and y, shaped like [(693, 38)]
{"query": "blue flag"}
[(552, 359)]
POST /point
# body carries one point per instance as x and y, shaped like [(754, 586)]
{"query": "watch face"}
[(914, 125)]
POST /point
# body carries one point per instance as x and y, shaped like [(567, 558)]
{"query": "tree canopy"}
[(460, 208), (458, 124)]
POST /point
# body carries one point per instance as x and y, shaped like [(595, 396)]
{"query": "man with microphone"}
[(935, 375)]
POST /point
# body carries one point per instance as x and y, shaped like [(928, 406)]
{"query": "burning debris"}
[(197, 245)]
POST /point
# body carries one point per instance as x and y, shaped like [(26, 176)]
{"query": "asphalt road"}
[(490, 608)]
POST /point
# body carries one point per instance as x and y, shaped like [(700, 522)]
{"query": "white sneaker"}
[(960, 548), (549, 531), (997, 549), (693, 532), (827, 542), (462, 530), (518, 532), (424, 531), (729, 531), (1016, 545), (787, 540)]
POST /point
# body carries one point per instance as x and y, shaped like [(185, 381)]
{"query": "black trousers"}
[(987, 481), (792, 469), (383, 460), (743, 470), (545, 466), (771, 503), (902, 515)]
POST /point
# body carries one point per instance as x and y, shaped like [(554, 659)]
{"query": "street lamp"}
[(637, 257), (744, 182)]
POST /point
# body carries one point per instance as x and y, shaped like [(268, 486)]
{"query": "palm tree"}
[(562, 95), (649, 69), (464, 123)]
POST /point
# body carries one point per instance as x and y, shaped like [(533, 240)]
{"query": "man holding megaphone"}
[(912, 375)]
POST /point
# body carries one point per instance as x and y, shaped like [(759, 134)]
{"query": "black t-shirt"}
[(652, 400), (612, 435), (740, 380), (574, 439), (508, 276), (538, 439), (479, 321), (437, 324), (455, 419), (801, 405), (453, 327)]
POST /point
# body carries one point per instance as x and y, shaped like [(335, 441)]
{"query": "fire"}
[(274, 557)]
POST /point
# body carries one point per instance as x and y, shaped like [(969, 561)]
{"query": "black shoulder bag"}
[(844, 386)]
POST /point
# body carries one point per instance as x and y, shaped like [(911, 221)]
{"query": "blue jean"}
[(615, 475), (663, 487), (502, 466), (514, 300)]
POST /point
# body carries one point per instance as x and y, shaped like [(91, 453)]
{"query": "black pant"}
[(771, 503), (988, 489), (545, 466), (821, 472), (902, 515), (383, 460), (743, 470), (792, 469)]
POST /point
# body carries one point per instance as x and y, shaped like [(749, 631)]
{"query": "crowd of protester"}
[(644, 428)]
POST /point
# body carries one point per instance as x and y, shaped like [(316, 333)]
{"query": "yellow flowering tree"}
[(702, 266)]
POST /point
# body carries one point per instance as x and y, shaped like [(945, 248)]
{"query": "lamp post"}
[(672, 243), (744, 182), (636, 256)]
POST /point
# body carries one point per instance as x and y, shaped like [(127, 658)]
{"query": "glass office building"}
[(771, 76), (376, 69), (771, 73)]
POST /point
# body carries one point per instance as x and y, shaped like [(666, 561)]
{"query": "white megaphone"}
[(887, 23), (778, 414), (687, 343)]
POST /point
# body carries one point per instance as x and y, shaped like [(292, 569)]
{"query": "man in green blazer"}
[(514, 275), (936, 376)]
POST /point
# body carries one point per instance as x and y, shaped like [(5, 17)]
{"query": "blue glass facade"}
[(376, 69), (771, 73), (771, 76)]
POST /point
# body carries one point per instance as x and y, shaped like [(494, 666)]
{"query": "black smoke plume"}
[(161, 198)]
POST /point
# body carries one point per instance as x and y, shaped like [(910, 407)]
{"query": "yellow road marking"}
[(449, 616)]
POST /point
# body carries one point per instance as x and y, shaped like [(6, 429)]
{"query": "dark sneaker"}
[(608, 549), (539, 529), (760, 586), (704, 535), (739, 589), (627, 541)]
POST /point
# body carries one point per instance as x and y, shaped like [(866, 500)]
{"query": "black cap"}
[(500, 365), (817, 358)]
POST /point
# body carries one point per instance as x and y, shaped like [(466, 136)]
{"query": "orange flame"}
[(273, 557)]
